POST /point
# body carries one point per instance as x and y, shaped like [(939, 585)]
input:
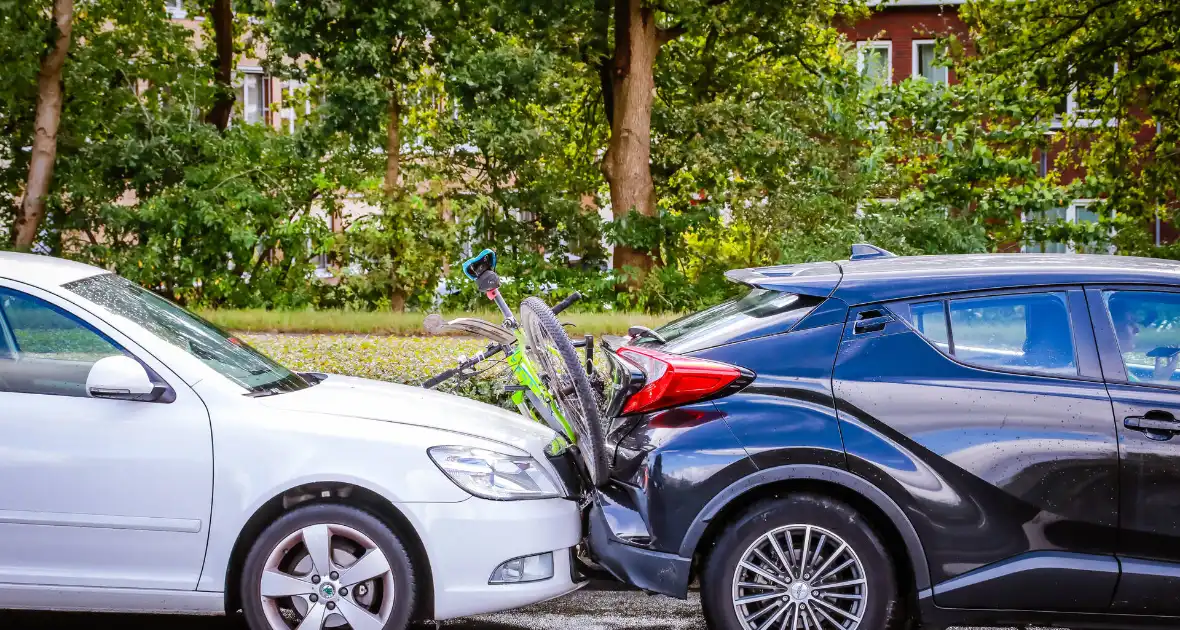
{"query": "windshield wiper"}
[(262, 393)]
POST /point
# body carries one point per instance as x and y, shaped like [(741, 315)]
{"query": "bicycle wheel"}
[(554, 356)]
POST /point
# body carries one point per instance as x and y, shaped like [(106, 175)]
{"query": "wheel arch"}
[(327, 492), (901, 539)]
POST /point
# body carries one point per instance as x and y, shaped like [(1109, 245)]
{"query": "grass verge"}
[(402, 324)]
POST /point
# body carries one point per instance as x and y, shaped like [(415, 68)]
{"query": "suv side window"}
[(1020, 332), (50, 351), (1147, 326)]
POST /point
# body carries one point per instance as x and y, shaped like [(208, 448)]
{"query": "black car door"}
[(985, 417), (1138, 334)]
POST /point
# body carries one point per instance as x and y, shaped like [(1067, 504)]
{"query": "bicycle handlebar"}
[(492, 350), (566, 303), (445, 376)]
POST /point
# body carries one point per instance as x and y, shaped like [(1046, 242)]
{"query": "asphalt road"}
[(584, 610)]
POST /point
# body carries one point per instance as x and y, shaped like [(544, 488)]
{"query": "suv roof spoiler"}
[(818, 279)]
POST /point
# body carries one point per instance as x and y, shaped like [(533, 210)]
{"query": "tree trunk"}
[(393, 146), (223, 30), (392, 183), (627, 163), (397, 302), (48, 119)]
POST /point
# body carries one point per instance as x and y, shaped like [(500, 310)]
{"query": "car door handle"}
[(871, 324), (1161, 423)]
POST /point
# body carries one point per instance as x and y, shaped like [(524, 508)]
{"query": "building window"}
[(175, 9), (874, 61), (296, 105), (926, 64), (251, 96), (1079, 107), (1077, 212)]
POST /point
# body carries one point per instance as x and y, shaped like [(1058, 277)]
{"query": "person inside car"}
[(1129, 315)]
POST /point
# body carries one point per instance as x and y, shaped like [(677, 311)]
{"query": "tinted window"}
[(929, 318), (759, 312), (1026, 332), (46, 349), (1147, 325)]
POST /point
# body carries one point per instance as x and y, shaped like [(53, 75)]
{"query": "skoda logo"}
[(328, 591)]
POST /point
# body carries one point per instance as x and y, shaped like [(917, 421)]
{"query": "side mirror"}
[(121, 378)]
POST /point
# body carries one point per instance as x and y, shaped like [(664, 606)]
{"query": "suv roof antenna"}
[(866, 251)]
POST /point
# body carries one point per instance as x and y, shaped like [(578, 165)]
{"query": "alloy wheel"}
[(800, 577), (327, 576)]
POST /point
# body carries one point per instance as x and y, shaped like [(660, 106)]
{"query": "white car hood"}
[(390, 402)]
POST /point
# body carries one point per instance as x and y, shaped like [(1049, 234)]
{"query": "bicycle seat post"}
[(495, 296), (482, 269)]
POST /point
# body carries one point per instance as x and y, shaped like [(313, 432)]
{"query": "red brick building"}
[(898, 41), (901, 34)]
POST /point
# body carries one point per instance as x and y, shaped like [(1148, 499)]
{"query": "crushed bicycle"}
[(551, 384)]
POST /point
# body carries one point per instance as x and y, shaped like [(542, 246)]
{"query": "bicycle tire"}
[(576, 398)]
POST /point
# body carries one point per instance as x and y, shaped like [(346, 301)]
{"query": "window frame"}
[(1076, 115), (10, 333), (158, 372), (288, 92), (175, 12), (1110, 355), (886, 45), (1086, 354), (246, 74), (916, 71), (1071, 216)]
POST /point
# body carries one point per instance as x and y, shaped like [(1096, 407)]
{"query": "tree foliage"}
[(1059, 102), (680, 139)]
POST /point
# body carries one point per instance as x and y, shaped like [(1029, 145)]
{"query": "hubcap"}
[(327, 576), (800, 577)]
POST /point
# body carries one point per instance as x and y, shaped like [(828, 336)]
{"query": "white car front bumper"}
[(466, 541)]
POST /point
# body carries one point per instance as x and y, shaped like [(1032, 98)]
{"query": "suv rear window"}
[(758, 313), (1021, 332)]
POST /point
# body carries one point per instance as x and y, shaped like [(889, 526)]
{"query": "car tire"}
[(836, 537), (282, 558)]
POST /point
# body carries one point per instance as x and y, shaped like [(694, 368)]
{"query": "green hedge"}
[(408, 360)]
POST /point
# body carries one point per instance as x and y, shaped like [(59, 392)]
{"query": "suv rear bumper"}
[(655, 571)]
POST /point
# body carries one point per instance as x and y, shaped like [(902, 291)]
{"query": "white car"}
[(153, 463)]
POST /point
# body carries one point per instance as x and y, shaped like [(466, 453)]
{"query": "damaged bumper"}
[(618, 536)]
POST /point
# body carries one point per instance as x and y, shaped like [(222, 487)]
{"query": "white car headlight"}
[(491, 475)]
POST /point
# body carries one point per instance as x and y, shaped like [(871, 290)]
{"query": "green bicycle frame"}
[(532, 397)]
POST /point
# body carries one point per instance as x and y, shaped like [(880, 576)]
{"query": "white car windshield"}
[(226, 354)]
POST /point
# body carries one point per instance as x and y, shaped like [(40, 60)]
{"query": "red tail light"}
[(675, 380)]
